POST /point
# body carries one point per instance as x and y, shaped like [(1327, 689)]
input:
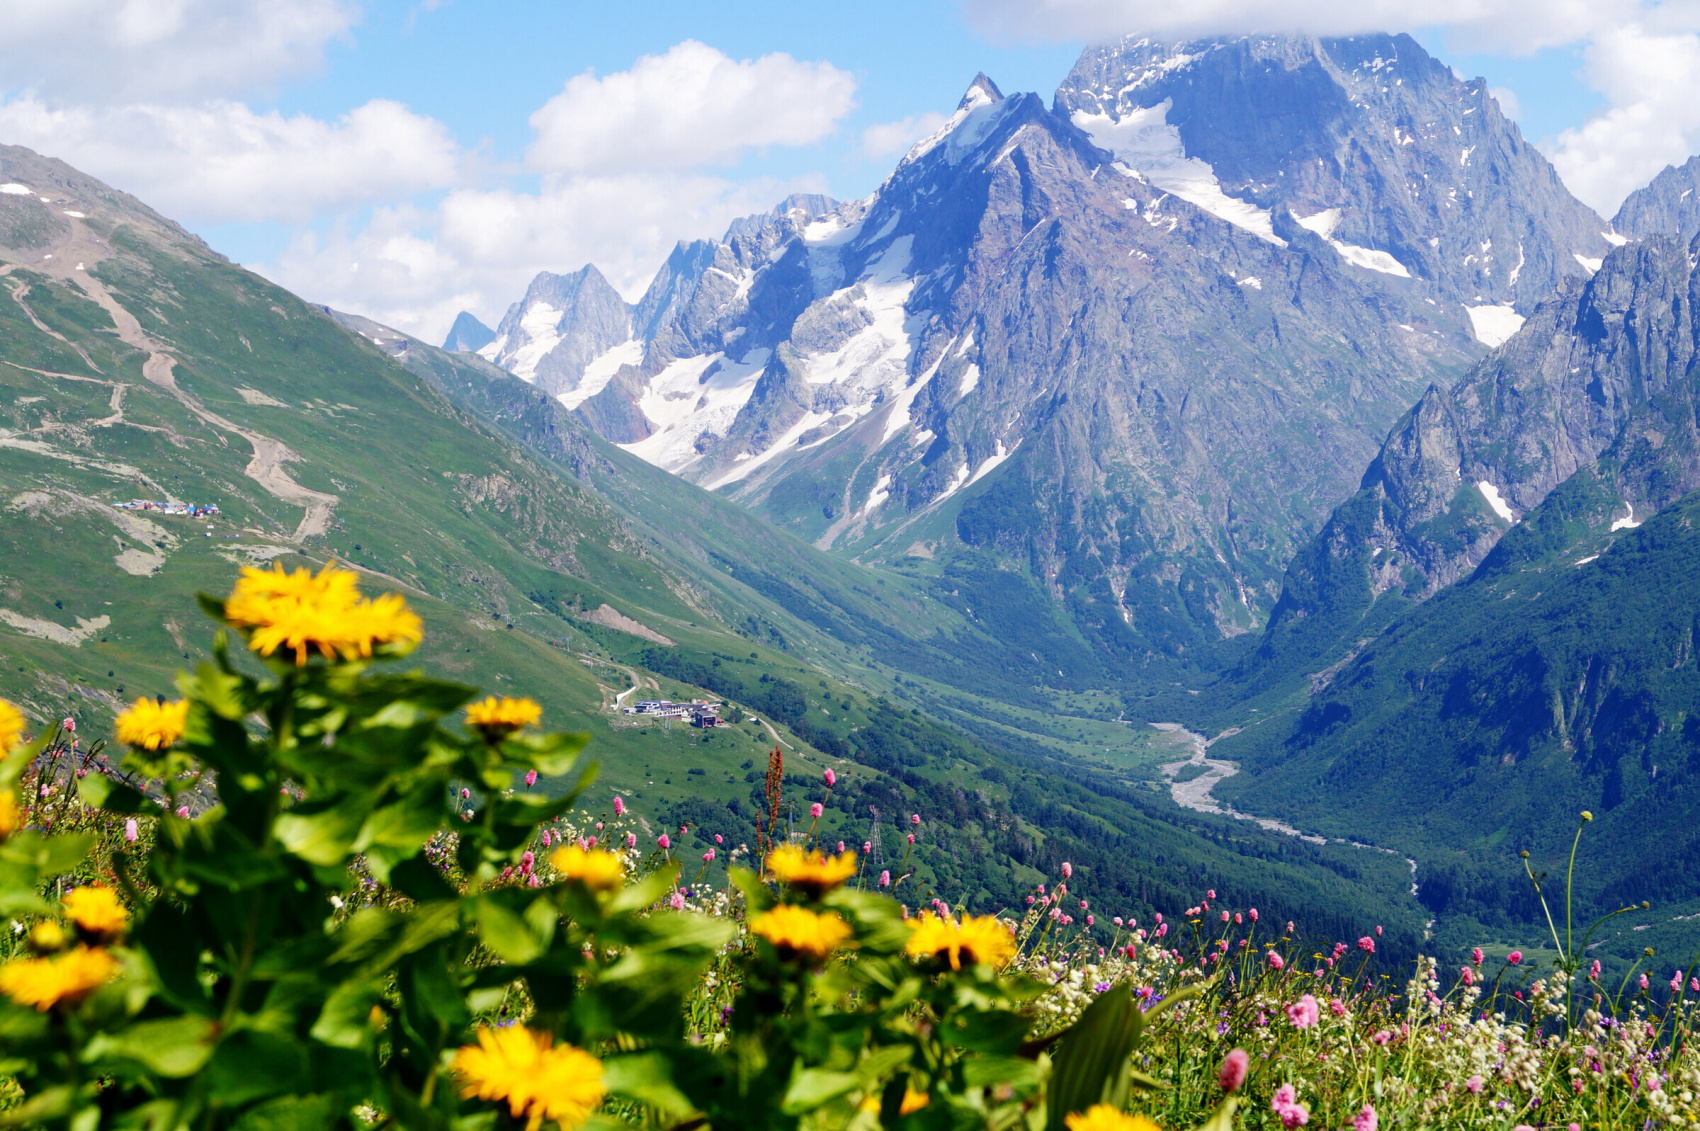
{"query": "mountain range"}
[(1273, 386)]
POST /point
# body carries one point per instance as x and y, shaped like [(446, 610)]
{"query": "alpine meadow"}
[(1167, 603)]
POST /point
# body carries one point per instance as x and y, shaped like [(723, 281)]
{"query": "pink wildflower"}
[(1211, 894), (619, 807), (631, 840), (530, 778), (1253, 914), (1467, 975), (70, 725), (885, 879), (1476, 955), (1474, 1083), (1275, 961), (1117, 920), (1029, 899), (1232, 1074), (816, 810), (867, 847), (911, 838), (1304, 1012), (130, 832), (914, 818), (1367, 944), (1365, 1120), (527, 860), (1515, 957), (1089, 920), (185, 813), (840, 846), (677, 903), (1676, 982), (1067, 870), (718, 839), (1162, 929), (1338, 1006), (1382, 1037), (1286, 1105), (831, 777), (1238, 919), (1378, 930), (1289, 926), (535, 881), (1224, 916), (465, 793), (708, 856), (664, 842)]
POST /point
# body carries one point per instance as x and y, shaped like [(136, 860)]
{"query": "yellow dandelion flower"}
[(1103, 1117), (538, 1080), (303, 612), (95, 910), (811, 871), (913, 1101), (496, 718), (63, 979), (595, 868), (982, 938), (10, 816), (153, 725), (11, 727), (799, 931)]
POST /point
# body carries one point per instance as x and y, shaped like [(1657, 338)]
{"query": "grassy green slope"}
[(1561, 677)]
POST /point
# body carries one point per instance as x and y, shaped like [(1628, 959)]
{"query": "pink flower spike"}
[(1253, 914), (183, 811), (911, 838), (1378, 930), (677, 903), (1029, 899), (664, 842), (631, 840), (831, 777), (1367, 944), (530, 778), (1238, 920), (1117, 920), (1304, 1013), (1276, 962), (1474, 1083), (816, 810), (599, 826), (535, 881), (130, 832), (1515, 957), (707, 856), (465, 793), (914, 818), (1231, 1075), (867, 847), (619, 807), (1476, 955), (1594, 970), (1224, 916), (70, 725), (885, 880), (1466, 975), (718, 839), (1365, 1120), (592, 842)]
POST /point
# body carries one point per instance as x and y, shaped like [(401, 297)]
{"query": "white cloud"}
[(100, 50), (888, 139), (1652, 86), (692, 106), (217, 161), (1508, 102), (414, 268), (1518, 25)]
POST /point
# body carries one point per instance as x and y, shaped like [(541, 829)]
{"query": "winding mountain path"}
[(267, 466)]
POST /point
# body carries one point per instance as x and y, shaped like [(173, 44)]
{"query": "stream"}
[(1196, 794)]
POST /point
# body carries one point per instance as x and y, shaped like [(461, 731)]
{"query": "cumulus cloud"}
[(100, 50), (1517, 25), (1508, 102), (414, 267), (692, 106), (888, 139), (1652, 86), (221, 160)]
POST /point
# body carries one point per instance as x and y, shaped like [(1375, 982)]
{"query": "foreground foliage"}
[(316, 894)]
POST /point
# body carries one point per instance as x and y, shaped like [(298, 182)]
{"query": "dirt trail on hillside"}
[(69, 263)]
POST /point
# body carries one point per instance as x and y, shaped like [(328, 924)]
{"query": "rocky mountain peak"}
[(1670, 205), (981, 92), (468, 334), (564, 322), (1364, 144)]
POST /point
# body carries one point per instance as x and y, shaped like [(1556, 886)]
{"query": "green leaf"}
[(1222, 1119), (111, 796), (646, 1077), (291, 1113), (252, 1063), (346, 1020), (505, 931), (173, 1047), (324, 837), (985, 1071), (812, 1088), (1091, 1062)]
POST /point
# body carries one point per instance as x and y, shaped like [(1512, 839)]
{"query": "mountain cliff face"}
[(564, 323), (1104, 351), (468, 334), (1597, 393), (1669, 205), (1365, 143)]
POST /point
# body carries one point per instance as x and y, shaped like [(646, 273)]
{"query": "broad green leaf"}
[(812, 1087), (1091, 1062), (325, 837), (173, 1047), (646, 1077), (506, 932), (346, 1020), (988, 1071), (1222, 1119), (291, 1113)]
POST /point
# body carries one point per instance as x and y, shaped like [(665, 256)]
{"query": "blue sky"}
[(408, 158)]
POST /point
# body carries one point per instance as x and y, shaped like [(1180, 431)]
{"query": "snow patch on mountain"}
[(1324, 223), (1143, 139), (601, 370), (692, 398), (1494, 500), (1494, 325)]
